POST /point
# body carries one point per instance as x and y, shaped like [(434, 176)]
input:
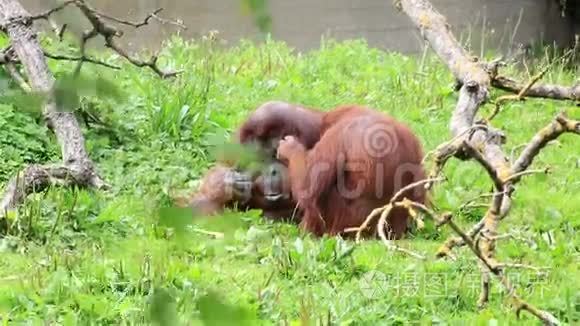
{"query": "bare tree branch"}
[(45, 15), (110, 33), (520, 96), (483, 145), (17, 77), (77, 167), (81, 58), (128, 23), (491, 266), (560, 125), (556, 92), (6, 55), (6, 58), (145, 21), (365, 225)]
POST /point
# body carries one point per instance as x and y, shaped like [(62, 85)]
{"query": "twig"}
[(472, 205), (17, 77), (145, 20), (6, 57), (514, 149), (520, 96), (479, 157), (408, 187), (109, 33), (381, 226), (503, 236), (216, 235), (384, 213), (128, 23), (381, 210), (549, 91), (80, 58), (517, 176), (480, 196), (560, 125), (522, 266), (447, 150), (452, 242), (45, 15), (497, 270)]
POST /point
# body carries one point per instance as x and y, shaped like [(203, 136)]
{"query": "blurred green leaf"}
[(177, 218), (27, 102), (245, 157), (163, 310), (259, 9), (69, 89), (215, 312)]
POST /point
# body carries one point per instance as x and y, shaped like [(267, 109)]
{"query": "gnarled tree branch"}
[(110, 33), (77, 166), (483, 144), (99, 27)]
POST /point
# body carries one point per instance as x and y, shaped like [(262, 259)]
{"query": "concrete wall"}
[(302, 23)]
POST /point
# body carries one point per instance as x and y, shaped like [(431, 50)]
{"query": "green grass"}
[(81, 257)]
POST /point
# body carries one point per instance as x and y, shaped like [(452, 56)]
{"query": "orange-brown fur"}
[(274, 120), (341, 161), (269, 123), (216, 193)]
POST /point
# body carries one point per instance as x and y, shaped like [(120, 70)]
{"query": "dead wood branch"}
[(390, 244), (447, 150), (145, 21), (556, 92), (17, 77), (497, 269), (110, 33), (560, 125), (7, 59), (380, 211), (77, 168), (521, 95), (107, 31), (213, 234), (483, 145), (46, 15), (383, 214), (6, 55), (81, 58)]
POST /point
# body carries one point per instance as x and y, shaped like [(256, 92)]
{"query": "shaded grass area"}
[(80, 257)]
